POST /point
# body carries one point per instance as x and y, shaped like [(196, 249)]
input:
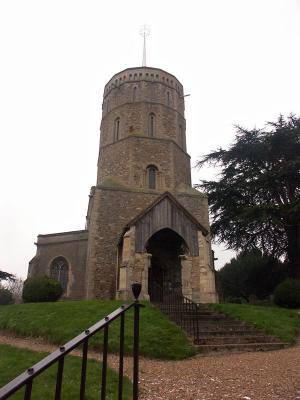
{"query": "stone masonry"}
[(144, 179)]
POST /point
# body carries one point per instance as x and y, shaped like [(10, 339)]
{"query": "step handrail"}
[(178, 307), (58, 356)]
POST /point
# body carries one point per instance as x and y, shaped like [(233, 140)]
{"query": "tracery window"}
[(151, 125), (59, 270), (116, 129), (152, 176)]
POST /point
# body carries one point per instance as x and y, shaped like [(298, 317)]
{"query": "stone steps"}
[(238, 347), (230, 333), (212, 340), (204, 317), (213, 332)]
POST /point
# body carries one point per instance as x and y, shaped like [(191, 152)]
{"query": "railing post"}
[(27, 395), (83, 369), (121, 357), (136, 352), (59, 376), (104, 363), (136, 290)]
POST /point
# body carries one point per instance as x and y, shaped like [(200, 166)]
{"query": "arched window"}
[(181, 135), (116, 129), (168, 98), (134, 94), (151, 174), (59, 271), (151, 125)]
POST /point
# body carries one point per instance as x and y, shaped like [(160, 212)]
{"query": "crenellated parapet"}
[(144, 78)]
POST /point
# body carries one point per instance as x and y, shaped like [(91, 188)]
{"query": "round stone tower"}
[(145, 221), (143, 124)]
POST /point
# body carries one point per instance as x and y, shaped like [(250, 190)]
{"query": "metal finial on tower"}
[(144, 31)]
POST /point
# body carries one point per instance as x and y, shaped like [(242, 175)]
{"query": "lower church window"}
[(59, 270)]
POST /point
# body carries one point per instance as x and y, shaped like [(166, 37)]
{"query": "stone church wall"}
[(181, 165), (112, 210), (142, 84), (142, 145), (134, 121), (132, 102), (115, 161), (128, 159), (70, 245)]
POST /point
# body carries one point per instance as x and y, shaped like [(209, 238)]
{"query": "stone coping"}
[(62, 237), (170, 140), (151, 74), (147, 191)]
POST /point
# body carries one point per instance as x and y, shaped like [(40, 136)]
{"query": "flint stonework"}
[(139, 228)]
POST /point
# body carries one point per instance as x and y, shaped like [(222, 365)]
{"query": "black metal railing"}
[(26, 379), (183, 311)]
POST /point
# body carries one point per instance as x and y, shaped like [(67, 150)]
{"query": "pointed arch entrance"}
[(165, 247)]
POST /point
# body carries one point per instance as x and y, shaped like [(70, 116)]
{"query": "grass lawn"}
[(14, 361), (285, 324), (61, 321)]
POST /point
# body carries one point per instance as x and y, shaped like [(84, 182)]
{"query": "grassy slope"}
[(61, 321), (279, 322), (14, 361)]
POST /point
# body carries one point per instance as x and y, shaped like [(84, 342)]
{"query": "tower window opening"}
[(116, 129), (134, 94), (181, 138), (152, 172), (59, 270), (168, 98), (151, 125)]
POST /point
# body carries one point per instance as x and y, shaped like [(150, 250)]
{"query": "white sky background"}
[(239, 60)]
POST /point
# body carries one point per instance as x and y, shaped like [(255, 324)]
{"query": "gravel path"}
[(248, 376)]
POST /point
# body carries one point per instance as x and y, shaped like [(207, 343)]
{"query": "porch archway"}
[(165, 246)]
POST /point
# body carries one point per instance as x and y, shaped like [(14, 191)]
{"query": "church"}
[(145, 222)]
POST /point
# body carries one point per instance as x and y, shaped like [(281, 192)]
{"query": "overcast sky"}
[(239, 60)]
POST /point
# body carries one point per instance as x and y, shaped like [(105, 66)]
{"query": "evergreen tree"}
[(256, 201), (4, 276), (250, 274)]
